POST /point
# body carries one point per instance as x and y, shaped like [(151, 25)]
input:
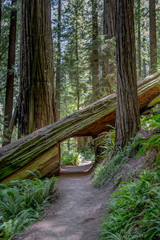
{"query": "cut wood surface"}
[(90, 121)]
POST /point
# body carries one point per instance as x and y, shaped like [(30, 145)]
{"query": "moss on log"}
[(47, 164), (90, 121)]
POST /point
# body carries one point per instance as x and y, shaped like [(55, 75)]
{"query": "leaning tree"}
[(37, 104), (127, 115)]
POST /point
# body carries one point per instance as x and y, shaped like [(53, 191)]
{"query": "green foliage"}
[(74, 151), (86, 154), (104, 172), (152, 142), (15, 225), (109, 144), (70, 158), (151, 121), (21, 202), (135, 210)]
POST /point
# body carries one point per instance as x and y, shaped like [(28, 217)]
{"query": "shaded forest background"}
[(84, 52)]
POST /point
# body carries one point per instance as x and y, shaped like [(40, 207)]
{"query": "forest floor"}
[(78, 208), (76, 211)]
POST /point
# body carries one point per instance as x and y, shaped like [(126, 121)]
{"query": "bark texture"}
[(95, 54), (39, 149), (139, 40), (127, 116), (0, 20), (153, 38), (58, 72), (77, 59), (109, 18), (144, 59), (37, 104), (108, 68), (10, 76)]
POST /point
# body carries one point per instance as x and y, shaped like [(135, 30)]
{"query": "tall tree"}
[(127, 117), (139, 39), (37, 104), (153, 39), (109, 18), (144, 60), (0, 18), (77, 56), (10, 75), (108, 69), (95, 58), (58, 72)]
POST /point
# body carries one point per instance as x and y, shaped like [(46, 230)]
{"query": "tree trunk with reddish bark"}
[(127, 115), (37, 101)]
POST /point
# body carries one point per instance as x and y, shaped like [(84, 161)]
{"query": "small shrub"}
[(135, 210)]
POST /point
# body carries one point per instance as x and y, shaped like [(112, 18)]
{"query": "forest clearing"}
[(79, 119)]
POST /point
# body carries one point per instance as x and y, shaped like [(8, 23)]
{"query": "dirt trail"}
[(77, 212)]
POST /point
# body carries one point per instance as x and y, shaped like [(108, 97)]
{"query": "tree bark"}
[(0, 20), (77, 62), (139, 40), (153, 38), (109, 19), (10, 76), (38, 150), (37, 103), (127, 115), (144, 60), (58, 73), (108, 68), (95, 54)]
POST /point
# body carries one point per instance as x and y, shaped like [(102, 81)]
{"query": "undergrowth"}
[(70, 158), (104, 172), (21, 202), (153, 142), (75, 158), (135, 210)]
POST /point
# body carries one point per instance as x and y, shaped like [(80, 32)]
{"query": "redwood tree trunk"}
[(153, 40), (77, 61), (95, 58), (109, 18), (127, 116), (10, 76), (108, 68), (58, 73), (139, 40), (144, 59), (37, 104), (0, 20)]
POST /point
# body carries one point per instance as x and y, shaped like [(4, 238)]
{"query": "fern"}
[(21, 202), (152, 142), (135, 210)]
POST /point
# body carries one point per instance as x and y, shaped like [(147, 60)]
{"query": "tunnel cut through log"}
[(40, 150)]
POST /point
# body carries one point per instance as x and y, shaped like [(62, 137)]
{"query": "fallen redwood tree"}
[(40, 150)]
